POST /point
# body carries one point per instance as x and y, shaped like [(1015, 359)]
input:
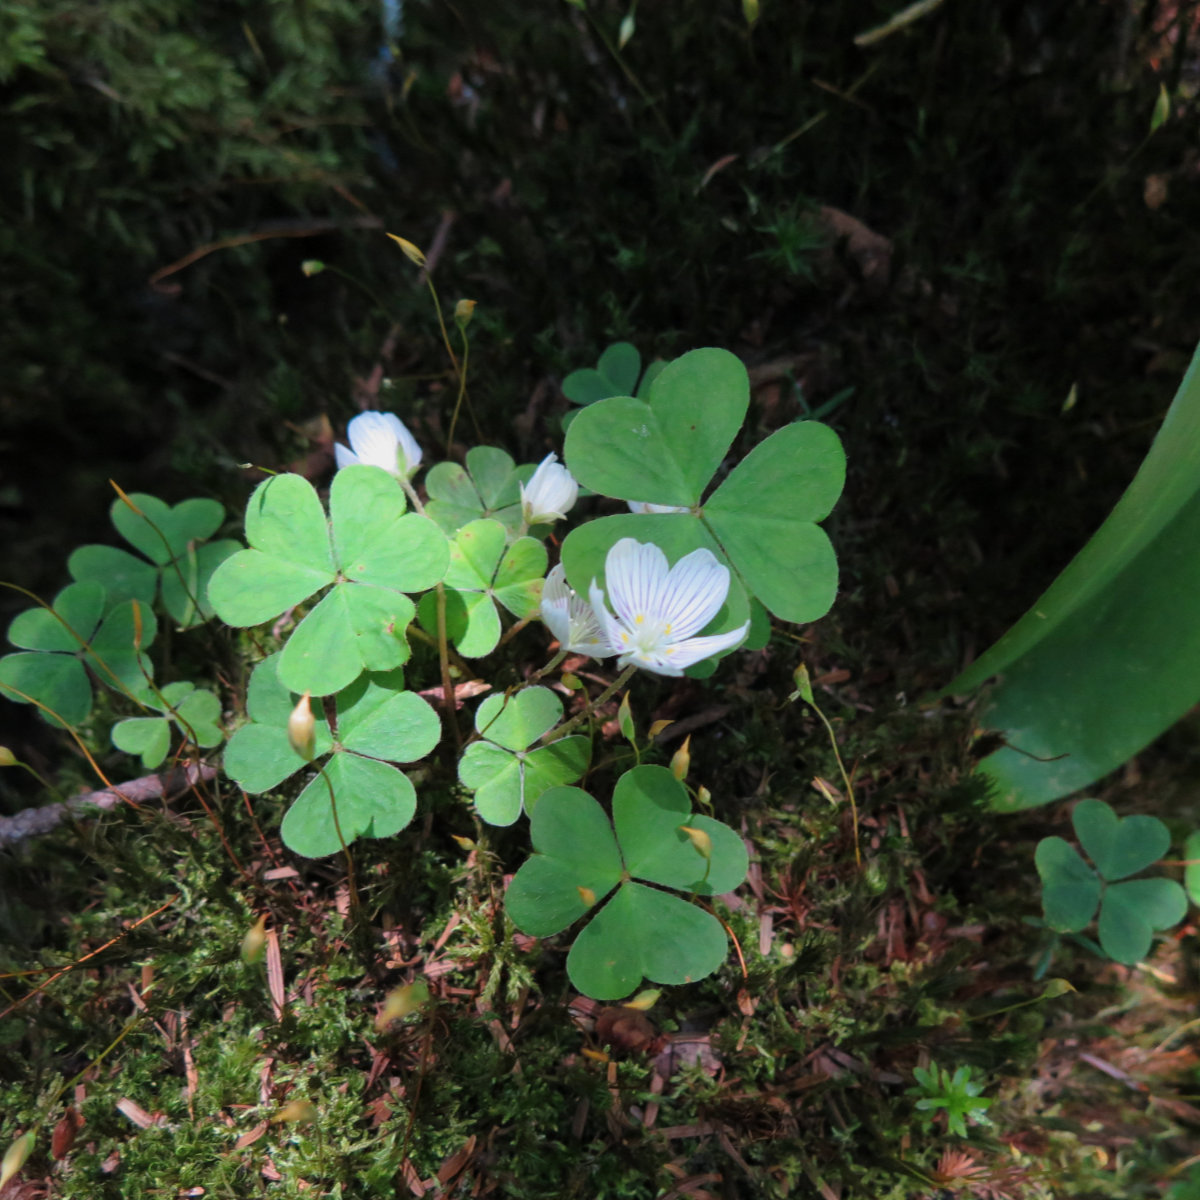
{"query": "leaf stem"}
[(443, 642), (845, 777), (355, 902), (462, 386), (591, 706)]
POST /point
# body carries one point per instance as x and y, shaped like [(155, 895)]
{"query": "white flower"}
[(644, 506), (380, 440), (549, 494), (570, 618), (660, 608)]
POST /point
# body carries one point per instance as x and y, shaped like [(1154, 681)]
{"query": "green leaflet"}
[(488, 486), (1131, 910), (174, 539), (484, 570), (196, 713), (507, 771), (61, 644), (761, 520), (371, 550), (642, 932), (377, 724)]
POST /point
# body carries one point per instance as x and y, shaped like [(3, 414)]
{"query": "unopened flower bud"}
[(311, 267), (682, 759), (586, 895), (704, 797), (464, 310), (255, 941), (803, 685), (7, 757), (699, 839), (625, 719), (302, 729), (550, 493)]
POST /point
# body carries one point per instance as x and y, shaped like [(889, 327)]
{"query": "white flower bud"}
[(549, 495)]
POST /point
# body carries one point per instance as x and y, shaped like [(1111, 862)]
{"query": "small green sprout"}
[(958, 1093)]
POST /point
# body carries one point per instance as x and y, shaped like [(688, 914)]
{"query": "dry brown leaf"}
[(251, 1136), (275, 973), (457, 1162), (65, 1133), (137, 1114)]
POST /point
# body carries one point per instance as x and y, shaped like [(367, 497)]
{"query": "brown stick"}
[(31, 822)]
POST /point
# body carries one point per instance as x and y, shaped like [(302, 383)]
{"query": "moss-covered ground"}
[(932, 243)]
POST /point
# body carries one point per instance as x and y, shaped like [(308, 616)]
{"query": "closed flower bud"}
[(550, 493), (464, 310), (681, 760), (625, 720), (255, 941), (586, 895), (699, 839), (7, 757), (302, 729), (803, 685)]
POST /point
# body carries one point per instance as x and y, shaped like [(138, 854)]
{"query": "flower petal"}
[(644, 506), (684, 654), (636, 574), (609, 625), (694, 592), (344, 456), (550, 493), (556, 602)]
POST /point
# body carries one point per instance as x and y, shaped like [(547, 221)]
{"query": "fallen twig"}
[(31, 822)]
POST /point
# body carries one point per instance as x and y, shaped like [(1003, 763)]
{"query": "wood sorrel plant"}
[(682, 579), (689, 574)]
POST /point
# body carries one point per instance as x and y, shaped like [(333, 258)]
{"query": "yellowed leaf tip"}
[(15, 1156), (644, 1001), (412, 253), (402, 1001), (296, 1112)]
